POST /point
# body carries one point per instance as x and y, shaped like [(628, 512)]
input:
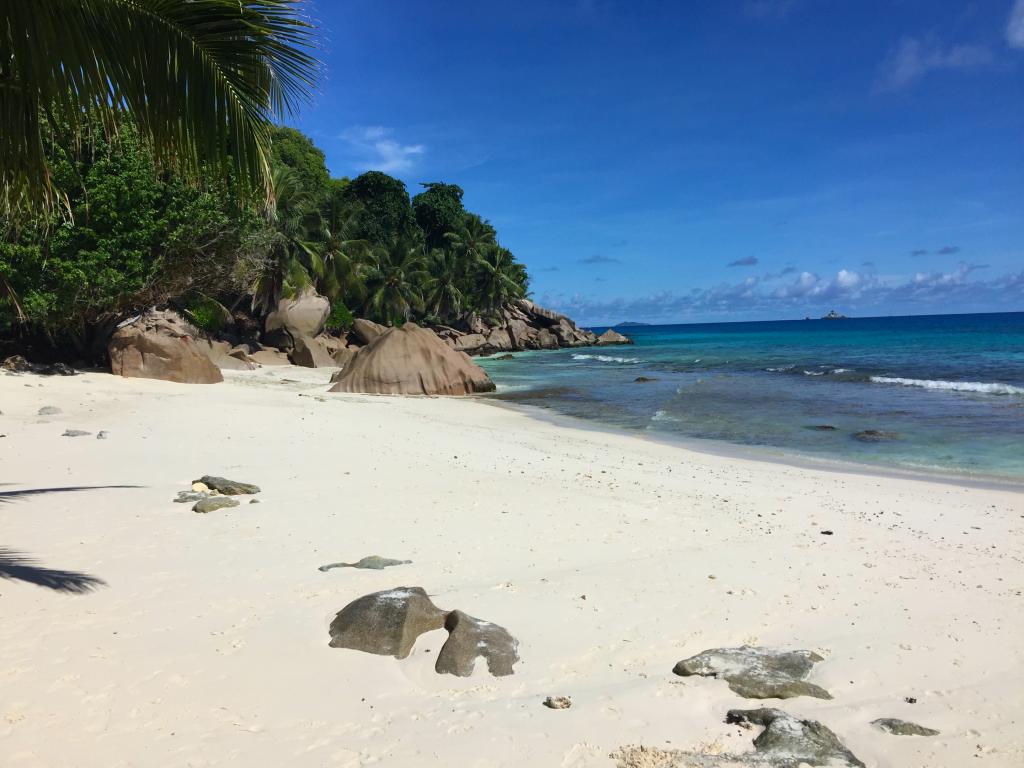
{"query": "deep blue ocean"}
[(945, 392)]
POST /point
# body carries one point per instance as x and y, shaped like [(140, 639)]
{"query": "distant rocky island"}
[(833, 315), (629, 324)]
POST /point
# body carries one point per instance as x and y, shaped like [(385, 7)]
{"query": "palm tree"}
[(202, 79), (345, 256), (394, 280), (499, 278), (472, 238), (295, 247), (444, 284)]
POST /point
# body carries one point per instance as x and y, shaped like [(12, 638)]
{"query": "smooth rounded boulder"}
[(303, 315), (410, 360), (157, 346)]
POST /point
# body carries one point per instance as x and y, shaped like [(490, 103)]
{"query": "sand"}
[(610, 558)]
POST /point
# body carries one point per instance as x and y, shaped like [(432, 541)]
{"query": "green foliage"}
[(438, 211), (340, 319), (207, 314), (201, 81), (135, 238), (293, 149), (384, 209)]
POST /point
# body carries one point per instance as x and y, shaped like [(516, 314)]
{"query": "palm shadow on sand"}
[(16, 566)]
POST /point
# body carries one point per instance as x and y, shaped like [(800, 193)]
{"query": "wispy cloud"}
[(1015, 26), (374, 149), (781, 273), (913, 58), (545, 269), (749, 261), (597, 258), (948, 250), (808, 293), (919, 252)]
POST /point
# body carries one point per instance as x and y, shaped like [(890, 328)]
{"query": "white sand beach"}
[(609, 557)]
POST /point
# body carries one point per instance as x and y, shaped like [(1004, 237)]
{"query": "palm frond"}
[(203, 80)]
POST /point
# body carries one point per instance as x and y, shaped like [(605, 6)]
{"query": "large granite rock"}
[(303, 315), (757, 673), (410, 360), (470, 638), (386, 623), (470, 342), (225, 486), (160, 345), (311, 353), (225, 356), (366, 330), (611, 336)]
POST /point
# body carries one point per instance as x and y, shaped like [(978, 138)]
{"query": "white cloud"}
[(375, 150), (913, 58), (807, 294), (1015, 26)]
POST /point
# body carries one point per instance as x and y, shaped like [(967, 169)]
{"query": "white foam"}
[(782, 369), (663, 416), (814, 373), (607, 358), (988, 388)]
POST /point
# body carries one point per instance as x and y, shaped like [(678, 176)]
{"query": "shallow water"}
[(947, 390)]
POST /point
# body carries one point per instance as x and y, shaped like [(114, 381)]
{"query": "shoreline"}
[(759, 453), (609, 559)]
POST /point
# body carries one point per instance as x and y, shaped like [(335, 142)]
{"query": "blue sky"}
[(692, 161)]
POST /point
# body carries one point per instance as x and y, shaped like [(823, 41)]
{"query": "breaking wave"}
[(988, 388), (607, 358)]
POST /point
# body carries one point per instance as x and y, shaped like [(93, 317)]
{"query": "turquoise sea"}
[(946, 392)]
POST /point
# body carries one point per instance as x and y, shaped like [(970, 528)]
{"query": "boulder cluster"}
[(161, 344)]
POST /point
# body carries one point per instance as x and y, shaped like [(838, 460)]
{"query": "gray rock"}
[(469, 638), (48, 410), (823, 428), (75, 433), (757, 673), (788, 742), (101, 435), (254, 501), (899, 727), (229, 487), (372, 562), (557, 702), (386, 623), (213, 503), (187, 497)]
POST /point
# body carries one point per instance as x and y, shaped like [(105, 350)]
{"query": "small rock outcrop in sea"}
[(410, 360), (785, 742), (213, 503), (899, 727), (372, 562), (833, 315), (160, 345), (875, 436), (757, 673), (225, 486), (643, 380), (612, 336), (470, 638), (388, 623), (823, 428)]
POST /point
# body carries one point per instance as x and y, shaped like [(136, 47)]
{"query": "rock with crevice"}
[(301, 315), (386, 623), (308, 352), (757, 673), (611, 336), (161, 345), (898, 727), (469, 639), (366, 330)]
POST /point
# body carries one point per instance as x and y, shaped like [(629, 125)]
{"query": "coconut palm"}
[(394, 280), (202, 79), (345, 256), (499, 278), (472, 238), (447, 276)]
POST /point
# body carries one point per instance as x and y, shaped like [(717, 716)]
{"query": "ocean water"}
[(945, 391)]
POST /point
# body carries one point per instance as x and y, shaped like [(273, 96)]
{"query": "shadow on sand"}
[(15, 566), (9, 496)]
